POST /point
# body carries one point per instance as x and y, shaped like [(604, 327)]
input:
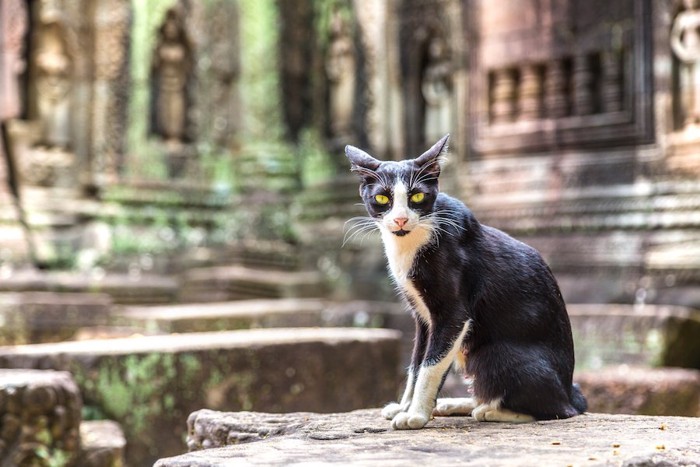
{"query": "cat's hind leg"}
[(493, 412), (454, 406)]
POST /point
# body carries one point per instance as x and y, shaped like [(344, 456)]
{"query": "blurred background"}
[(176, 166)]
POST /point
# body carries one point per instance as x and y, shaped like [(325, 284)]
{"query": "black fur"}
[(519, 347)]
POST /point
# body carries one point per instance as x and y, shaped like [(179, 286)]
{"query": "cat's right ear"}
[(361, 163)]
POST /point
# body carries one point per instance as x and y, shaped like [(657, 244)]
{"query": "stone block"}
[(39, 418), (102, 444), (651, 335), (150, 384), (364, 438), (642, 391), (36, 317)]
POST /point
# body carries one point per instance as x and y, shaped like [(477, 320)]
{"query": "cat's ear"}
[(432, 159), (361, 163)]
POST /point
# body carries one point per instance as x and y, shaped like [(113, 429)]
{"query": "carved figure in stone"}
[(436, 86), (53, 82), (341, 68), (13, 27), (685, 42), (171, 67)]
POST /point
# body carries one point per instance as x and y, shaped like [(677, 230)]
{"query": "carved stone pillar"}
[(556, 101), (530, 93), (503, 95), (109, 100), (583, 102), (611, 86)]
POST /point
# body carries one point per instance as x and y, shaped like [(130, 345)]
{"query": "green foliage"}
[(145, 160), (317, 163), (259, 81), (134, 390)]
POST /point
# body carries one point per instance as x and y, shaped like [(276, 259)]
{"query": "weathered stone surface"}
[(643, 391), (150, 384), (650, 335), (102, 444), (122, 288), (240, 282), (39, 418), (364, 438), (36, 317)]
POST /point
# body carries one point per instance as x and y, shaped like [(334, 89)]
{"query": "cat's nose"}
[(401, 221)]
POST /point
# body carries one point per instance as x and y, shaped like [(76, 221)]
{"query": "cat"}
[(480, 298)]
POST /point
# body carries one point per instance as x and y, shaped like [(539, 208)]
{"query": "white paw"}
[(409, 421), (454, 406), (391, 409), (479, 412), (489, 413)]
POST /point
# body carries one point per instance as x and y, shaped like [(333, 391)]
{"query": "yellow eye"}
[(381, 199), (417, 197)]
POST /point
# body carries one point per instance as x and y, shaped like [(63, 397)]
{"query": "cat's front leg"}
[(419, 344), (393, 408), (441, 352)]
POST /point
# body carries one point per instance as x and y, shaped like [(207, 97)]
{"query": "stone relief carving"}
[(436, 88), (171, 69), (53, 81), (341, 67), (685, 43)]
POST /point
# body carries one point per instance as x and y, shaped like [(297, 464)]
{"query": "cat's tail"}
[(577, 399)]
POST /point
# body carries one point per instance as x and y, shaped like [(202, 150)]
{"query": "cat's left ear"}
[(433, 158), (360, 162)]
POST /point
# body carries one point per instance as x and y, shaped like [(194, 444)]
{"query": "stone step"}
[(240, 283), (36, 317), (643, 391), (122, 288), (650, 335), (363, 438), (263, 313), (150, 384)]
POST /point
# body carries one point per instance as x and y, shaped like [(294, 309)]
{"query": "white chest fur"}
[(401, 254)]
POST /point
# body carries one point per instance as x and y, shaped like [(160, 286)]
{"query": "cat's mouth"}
[(401, 232)]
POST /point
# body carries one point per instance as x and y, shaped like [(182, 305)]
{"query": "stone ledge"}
[(364, 438), (642, 391), (150, 384)]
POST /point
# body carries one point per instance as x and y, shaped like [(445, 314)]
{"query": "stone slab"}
[(102, 444), (363, 438), (39, 418), (150, 384), (265, 313), (650, 335), (642, 391), (37, 317)]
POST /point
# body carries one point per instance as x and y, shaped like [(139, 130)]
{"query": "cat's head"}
[(398, 195)]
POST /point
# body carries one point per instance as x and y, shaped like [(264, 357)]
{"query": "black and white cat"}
[(480, 299)]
